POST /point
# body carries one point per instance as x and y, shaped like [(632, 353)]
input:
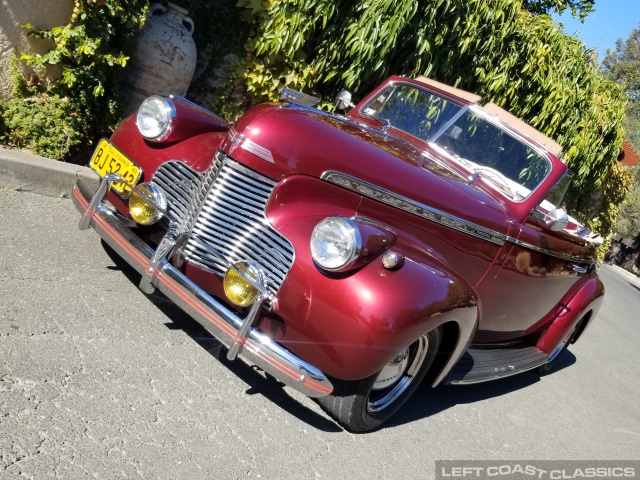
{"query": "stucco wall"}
[(41, 14)]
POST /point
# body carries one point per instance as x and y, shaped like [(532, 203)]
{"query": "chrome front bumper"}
[(225, 325)]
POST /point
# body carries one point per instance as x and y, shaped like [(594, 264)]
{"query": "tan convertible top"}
[(468, 96), (501, 113)]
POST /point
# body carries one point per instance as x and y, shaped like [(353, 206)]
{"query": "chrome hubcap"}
[(397, 375), (392, 371)]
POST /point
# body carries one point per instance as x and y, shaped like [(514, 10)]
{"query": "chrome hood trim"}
[(416, 208)]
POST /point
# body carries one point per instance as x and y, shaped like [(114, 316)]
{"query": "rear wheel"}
[(364, 405)]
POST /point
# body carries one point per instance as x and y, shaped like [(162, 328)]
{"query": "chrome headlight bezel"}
[(340, 235), (156, 118)]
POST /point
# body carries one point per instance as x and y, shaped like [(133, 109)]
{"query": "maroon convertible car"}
[(417, 236)]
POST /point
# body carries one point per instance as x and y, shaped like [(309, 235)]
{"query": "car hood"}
[(299, 141)]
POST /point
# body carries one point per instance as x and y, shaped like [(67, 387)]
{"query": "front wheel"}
[(364, 405)]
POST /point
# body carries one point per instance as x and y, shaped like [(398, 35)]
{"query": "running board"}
[(481, 365)]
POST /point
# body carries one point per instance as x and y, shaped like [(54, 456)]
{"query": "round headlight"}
[(143, 211), (236, 287), (335, 243), (155, 117)]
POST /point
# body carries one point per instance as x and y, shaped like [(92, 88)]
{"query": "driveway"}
[(97, 380)]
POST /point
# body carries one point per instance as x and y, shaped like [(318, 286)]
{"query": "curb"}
[(24, 172), (625, 273)]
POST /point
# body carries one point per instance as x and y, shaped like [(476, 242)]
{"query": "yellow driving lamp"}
[(239, 290), (146, 211)]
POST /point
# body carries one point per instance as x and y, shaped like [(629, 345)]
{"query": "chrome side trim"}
[(421, 210), (258, 349), (416, 208), (569, 258)]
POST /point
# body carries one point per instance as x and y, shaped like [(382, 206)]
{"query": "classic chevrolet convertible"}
[(417, 236)]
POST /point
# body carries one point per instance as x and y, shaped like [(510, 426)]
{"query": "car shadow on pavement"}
[(256, 380)]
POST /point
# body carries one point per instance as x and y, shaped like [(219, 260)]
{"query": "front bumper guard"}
[(257, 348)]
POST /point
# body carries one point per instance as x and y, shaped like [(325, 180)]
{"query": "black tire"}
[(364, 405), (548, 367)]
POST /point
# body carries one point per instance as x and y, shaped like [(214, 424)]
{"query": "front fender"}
[(197, 152), (350, 325)]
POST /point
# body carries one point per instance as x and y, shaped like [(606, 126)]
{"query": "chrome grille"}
[(225, 207), (179, 182)]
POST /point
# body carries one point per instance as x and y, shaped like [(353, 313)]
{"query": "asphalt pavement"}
[(98, 380)]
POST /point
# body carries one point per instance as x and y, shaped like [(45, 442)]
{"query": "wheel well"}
[(584, 321), (450, 331)]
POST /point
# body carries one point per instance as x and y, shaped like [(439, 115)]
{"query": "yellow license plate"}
[(108, 159)]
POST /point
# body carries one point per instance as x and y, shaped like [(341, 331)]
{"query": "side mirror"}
[(343, 100), (557, 219)]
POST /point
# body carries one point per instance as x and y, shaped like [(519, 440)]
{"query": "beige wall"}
[(41, 14)]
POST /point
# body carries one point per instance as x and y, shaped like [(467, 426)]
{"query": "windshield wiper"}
[(496, 178)]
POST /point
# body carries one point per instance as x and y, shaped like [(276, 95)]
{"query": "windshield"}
[(480, 146), (413, 110)]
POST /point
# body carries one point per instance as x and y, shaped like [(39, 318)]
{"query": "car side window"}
[(555, 197)]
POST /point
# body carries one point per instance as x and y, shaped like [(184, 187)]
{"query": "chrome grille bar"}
[(178, 182)]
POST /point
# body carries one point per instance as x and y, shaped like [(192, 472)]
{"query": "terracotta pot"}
[(165, 58)]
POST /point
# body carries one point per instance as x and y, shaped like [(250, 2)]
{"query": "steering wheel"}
[(497, 177)]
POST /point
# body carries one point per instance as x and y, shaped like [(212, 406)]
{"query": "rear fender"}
[(586, 301)]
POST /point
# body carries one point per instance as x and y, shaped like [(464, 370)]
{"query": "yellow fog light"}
[(240, 291), (142, 210)]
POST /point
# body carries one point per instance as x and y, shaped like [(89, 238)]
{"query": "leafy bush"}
[(44, 124), (628, 221), (87, 102)]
